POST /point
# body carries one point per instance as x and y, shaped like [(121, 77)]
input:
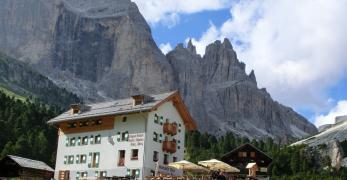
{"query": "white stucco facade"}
[(141, 127)]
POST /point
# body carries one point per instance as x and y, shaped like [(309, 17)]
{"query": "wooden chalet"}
[(244, 156), (23, 168)]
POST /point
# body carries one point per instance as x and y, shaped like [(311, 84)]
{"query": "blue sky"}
[(296, 49), (163, 34)]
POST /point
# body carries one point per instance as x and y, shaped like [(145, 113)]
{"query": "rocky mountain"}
[(331, 142), (18, 78), (104, 49)]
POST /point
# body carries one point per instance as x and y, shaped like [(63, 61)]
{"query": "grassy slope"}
[(12, 94)]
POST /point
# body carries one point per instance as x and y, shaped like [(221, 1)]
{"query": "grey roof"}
[(29, 163), (116, 107)]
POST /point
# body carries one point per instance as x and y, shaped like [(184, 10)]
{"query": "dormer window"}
[(138, 99), (75, 108), (141, 99)]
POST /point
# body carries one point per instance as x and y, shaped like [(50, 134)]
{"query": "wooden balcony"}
[(169, 146), (170, 128)]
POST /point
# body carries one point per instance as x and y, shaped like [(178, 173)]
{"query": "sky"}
[(298, 49)]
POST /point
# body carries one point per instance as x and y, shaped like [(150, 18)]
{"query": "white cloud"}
[(339, 110), (296, 48), (167, 11), (209, 36), (165, 48)]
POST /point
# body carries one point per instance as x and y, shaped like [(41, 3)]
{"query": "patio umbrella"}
[(187, 166), (216, 165)]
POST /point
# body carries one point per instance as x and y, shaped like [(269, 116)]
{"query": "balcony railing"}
[(169, 146), (170, 128)]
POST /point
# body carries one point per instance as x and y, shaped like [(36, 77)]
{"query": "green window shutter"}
[(65, 159), (155, 118), (67, 142), (77, 159), (137, 173), (79, 141), (97, 159), (118, 136), (91, 139), (90, 160), (161, 120), (126, 135)]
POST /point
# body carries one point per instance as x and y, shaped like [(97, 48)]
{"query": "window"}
[(160, 138), (161, 120), (91, 139), (134, 154), (178, 147), (72, 142), (155, 156), (83, 159), (103, 174), (156, 118), (253, 154), (96, 122), (94, 159), (134, 172), (77, 159), (155, 137), (79, 141), (125, 136), (121, 159), (152, 173), (67, 142), (97, 139), (85, 140), (84, 174), (75, 111), (71, 125), (70, 159), (124, 119), (242, 154), (138, 101), (118, 136), (166, 159), (84, 123), (174, 159)]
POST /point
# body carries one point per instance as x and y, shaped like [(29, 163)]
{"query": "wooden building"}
[(23, 168), (248, 158)]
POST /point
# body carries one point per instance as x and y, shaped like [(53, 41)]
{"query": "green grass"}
[(12, 94)]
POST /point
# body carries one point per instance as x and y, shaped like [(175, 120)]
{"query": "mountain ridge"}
[(101, 55)]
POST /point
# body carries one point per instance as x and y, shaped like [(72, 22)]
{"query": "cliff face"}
[(104, 49), (224, 98), (17, 77)]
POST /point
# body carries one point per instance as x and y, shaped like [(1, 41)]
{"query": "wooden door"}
[(64, 175)]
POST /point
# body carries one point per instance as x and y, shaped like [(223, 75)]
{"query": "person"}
[(221, 176), (215, 175)]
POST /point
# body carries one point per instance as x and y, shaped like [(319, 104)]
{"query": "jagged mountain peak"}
[(191, 47), (104, 49)]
